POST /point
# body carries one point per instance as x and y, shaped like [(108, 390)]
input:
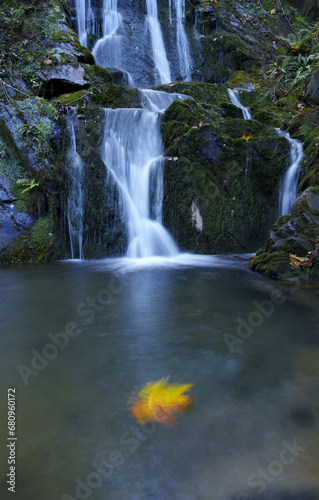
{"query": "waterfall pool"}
[(250, 346)]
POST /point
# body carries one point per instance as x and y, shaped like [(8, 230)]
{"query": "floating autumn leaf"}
[(158, 400), (247, 138)]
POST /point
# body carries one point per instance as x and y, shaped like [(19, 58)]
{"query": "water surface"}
[(255, 398)]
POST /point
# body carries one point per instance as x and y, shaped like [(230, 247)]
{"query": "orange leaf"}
[(247, 138), (157, 402)]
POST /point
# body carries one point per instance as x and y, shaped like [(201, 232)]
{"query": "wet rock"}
[(312, 92), (119, 77), (5, 194), (295, 233), (298, 234), (12, 224), (62, 79)]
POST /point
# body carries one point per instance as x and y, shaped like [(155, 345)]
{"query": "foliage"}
[(10, 166), (39, 129), (30, 184), (157, 402), (42, 231)]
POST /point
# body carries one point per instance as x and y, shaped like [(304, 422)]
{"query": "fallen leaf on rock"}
[(247, 138)]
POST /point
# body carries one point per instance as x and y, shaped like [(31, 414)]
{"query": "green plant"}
[(30, 184), (10, 166), (39, 129)]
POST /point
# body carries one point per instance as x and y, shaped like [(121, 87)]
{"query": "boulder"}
[(62, 79), (292, 234)]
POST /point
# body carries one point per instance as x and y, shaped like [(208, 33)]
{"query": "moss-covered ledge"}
[(294, 234)]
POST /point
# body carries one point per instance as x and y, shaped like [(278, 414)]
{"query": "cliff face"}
[(221, 174)]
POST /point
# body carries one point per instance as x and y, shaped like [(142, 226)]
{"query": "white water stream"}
[(81, 21), (182, 42), (235, 100), (288, 191), (132, 152), (107, 50), (162, 71), (75, 197)]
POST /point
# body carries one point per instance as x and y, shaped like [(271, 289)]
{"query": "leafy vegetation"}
[(40, 116)]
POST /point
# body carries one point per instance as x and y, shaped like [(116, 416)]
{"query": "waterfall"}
[(132, 153), (163, 74), (247, 116), (182, 42), (107, 50), (235, 100), (288, 191), (75, 196), (81, 21), (90, 19)]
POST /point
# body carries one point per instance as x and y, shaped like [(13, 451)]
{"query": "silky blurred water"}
[(154, 320)]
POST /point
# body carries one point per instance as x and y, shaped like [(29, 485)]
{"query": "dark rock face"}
[(12, 223), (221, 176), (297, 233), (312, 92), (62, 79)]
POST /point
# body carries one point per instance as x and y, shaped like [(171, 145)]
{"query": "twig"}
[(286, 17), (4, 90), (82, 96), (13, 88)]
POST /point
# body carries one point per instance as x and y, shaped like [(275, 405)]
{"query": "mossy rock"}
[(275, 265), (202, 92), (117, 97)]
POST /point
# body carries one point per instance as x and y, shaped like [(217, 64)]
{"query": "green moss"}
[(274, 265), (41, 232), (281, 221), (74, 97), (118, 97), (172, 130), (101, 73)]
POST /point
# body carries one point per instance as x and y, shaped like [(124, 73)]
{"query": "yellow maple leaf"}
[(157, 402), (247, 138)]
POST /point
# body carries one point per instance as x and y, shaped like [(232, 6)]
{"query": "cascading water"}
[(107, 50), (133, 147), (236, 102), (182, 42), (162, 74), (90, 19), (247, 116), (81, 21), (288, 192), (147, 52), (132, 152), (75, 197), (85, 20)]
